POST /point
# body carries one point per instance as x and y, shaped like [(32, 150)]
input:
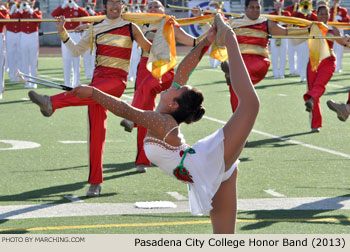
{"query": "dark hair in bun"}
[(190, 107)]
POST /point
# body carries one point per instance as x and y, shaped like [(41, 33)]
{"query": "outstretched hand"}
[(82, 91)]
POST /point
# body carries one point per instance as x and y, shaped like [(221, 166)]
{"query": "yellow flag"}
[(318, 48)]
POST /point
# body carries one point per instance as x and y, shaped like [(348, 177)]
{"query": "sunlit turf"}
[(46, 174)]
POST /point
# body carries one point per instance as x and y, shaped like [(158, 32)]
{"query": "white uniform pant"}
[(338, 50), (29, 46), (89, 62), (278, 56), (13, 55), (134, 62), (2, 64), (303, 58), (70, 63), (292, 57)]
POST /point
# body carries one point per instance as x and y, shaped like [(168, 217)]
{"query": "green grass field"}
[(281, 156)]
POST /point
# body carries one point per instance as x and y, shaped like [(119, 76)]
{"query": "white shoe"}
[(94, 190), (0, 96), (141, 168)]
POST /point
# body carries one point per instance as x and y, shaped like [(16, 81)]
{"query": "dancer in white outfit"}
[(209, 167)]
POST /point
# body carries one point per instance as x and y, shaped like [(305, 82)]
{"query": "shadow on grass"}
[(275, 142), (305, 213), (115, 171)]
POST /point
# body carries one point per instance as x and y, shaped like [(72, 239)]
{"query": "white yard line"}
[(103, 209), (287, 140), (274, 193), (73, 198), (177, 195)]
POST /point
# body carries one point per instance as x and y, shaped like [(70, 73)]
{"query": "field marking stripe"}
[(303, 144), (153, 224), (274, 193), (288, 140)]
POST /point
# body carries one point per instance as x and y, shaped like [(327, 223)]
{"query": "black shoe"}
[(309, 104)]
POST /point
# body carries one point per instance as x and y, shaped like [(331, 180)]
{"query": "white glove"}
[(20, 8), (2, 7), (13, 9), (338, 18), (27, 8), (65, 4), (91, 12), (74, 5)]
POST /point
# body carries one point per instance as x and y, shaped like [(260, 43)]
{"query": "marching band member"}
[(338, 14), (278, 47), (292, 48), (147, 87), (89, 59), (29, 44), (304, 11), (252, 31), (317, 79), (113, 39), (13, 39), (3, 15), (69, 9)]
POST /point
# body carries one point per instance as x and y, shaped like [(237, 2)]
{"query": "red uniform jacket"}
[(70, 13), (30, 27)]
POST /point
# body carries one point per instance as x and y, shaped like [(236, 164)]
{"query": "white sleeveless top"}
[(203, 167)]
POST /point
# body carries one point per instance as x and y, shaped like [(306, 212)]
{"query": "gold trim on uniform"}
[(113, 62), (250, 33), (254, 49), (64, 35), (115, 40)]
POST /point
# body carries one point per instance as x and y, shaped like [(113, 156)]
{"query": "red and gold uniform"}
[(253, 44), (146, 89), (88, 57), (29, 44), (113, 39), (70, 63), (3, 15), (317, 81)]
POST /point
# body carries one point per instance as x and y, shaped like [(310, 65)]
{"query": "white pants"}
[(292, 57), (2, 64), (338, 50), (70, 63), (278, 57), (89, 62), (13, 55), (29, 47), (134, 62), (303, 58)]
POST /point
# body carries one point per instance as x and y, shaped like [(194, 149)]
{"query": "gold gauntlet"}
[(64, 36), (298, 31)]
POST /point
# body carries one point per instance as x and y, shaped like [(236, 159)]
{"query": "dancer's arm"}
[(192, 59), (151, 120)]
